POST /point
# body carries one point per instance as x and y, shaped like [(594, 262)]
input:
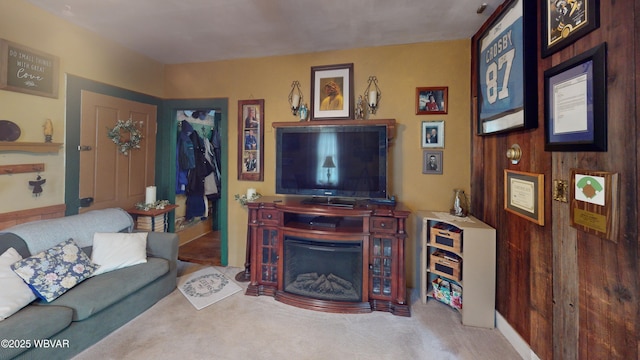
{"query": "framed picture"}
[(251, 140), (431, 100), (506, 69), (595, 202), (566, 21), (432, 162), (433, 134), (524, 195), (575, 103), (332, 92)]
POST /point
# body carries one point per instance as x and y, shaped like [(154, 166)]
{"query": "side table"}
[(153, 219)]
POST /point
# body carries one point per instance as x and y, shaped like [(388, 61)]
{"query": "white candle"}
[(373, 97), (150, 195), (251, 192), (295, 101)]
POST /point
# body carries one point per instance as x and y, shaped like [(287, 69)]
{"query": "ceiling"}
[(183, 31)]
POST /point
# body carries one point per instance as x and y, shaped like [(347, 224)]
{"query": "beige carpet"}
[(247, 327)]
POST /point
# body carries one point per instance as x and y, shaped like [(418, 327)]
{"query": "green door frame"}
[(165, 146)]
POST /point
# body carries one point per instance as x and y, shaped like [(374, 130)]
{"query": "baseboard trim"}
[(518, 343), (194, 231)]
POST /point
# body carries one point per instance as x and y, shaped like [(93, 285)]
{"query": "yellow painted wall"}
[(81, 53), (399, 69)]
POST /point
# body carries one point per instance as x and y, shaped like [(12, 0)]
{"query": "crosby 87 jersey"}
[(500, 75)]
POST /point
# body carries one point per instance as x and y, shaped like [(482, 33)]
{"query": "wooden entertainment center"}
[(379, 229)]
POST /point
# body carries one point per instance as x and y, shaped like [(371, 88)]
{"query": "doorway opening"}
[(201, 217), (198, 184)]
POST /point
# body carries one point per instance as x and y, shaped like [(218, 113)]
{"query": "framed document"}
[(566, 21), (576, 103), (524, 195), (506, 69)]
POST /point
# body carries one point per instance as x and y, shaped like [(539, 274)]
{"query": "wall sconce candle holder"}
[(295, 97), (372, 94)]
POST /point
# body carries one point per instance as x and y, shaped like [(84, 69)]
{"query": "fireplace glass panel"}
[(381, 273), (325, 270), (270, 255)]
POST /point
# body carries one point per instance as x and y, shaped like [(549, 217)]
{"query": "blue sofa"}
[(98, 305)]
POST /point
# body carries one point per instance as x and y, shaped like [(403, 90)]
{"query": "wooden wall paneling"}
[(636, 58), (541, 250), (518, 270), (594, 310), (541, 255), (566, 279), (623, 284), (608, 285), (565, 270)]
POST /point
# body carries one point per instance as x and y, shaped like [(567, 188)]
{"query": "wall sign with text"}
[(28, 70)]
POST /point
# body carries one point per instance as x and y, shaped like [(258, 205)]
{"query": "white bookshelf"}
[(478, 254)]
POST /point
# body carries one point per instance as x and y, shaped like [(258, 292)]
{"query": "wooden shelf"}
[(32, 147), (390, 123), (21, 168), (151, 212)]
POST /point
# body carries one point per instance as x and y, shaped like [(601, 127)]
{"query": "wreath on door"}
[(125, 143)]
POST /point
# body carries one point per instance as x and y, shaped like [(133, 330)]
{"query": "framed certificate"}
[(506, 69), (524, 195), (576, 103)]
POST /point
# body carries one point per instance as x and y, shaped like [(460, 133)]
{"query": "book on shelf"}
[(150, 223), (150, 219), (157, 228)]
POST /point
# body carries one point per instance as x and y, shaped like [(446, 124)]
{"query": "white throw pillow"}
[(114, 251), (15, 293)]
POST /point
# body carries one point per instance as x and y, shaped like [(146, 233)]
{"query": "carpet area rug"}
[(261, 328), (206, 286)]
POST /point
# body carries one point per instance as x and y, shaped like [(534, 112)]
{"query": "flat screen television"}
[(340, 161)]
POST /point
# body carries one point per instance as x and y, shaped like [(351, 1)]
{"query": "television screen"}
[(333, 161)]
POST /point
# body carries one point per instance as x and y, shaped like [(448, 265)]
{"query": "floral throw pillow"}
[(53, 272)]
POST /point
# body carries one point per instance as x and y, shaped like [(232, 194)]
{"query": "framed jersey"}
[(506, 55)]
